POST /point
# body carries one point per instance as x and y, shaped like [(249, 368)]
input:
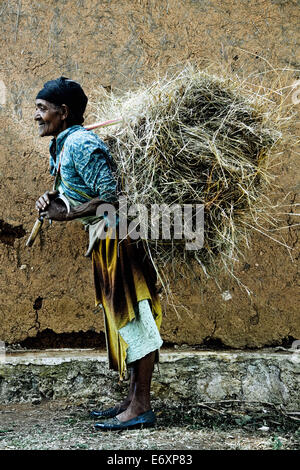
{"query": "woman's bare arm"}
[(56, 210)]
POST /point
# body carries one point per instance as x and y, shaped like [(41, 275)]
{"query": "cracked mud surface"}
[(133, 41)]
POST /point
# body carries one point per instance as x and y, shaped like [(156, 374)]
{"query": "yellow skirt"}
[(123, 275)]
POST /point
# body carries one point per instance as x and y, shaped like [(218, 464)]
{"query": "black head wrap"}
[(65, 91)]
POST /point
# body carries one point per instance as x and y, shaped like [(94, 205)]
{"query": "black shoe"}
[(144, 420), (110, 413)]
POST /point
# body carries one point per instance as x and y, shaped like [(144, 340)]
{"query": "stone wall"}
[(117, 44), (183, 376)]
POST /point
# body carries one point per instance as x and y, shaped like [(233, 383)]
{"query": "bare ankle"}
[(125, 403)]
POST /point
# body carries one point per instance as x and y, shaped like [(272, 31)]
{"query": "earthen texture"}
[(117, 44)]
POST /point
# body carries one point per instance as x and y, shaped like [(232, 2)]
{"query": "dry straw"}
[(197, 138)]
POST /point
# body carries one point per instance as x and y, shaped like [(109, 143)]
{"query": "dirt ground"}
[(61, 425)]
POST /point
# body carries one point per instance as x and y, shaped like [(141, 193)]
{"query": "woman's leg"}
[(140, 386), (126, 402)]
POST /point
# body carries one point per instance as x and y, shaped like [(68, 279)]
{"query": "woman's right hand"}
[(43, 202)]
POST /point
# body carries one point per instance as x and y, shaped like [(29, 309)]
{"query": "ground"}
[(61, 425)]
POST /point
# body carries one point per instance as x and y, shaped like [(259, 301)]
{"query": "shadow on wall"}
[(8, 233), (48, 339)]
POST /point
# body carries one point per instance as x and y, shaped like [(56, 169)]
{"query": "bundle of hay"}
[(194, 139)]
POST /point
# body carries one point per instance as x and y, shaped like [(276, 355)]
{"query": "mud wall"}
[(117, 44)]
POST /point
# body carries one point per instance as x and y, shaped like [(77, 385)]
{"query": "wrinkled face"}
[(50, 118)]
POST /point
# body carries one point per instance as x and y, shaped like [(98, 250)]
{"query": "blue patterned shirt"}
[(86, 165)]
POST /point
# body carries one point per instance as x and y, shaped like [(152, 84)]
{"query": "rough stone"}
[(193, 376)]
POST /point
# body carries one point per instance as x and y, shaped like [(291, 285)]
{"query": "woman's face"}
[(51, 119)]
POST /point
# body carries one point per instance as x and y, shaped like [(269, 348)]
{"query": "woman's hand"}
[(56, 210), (43, 202)]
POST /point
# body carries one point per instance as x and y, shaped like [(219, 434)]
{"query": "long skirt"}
[(124, 275)]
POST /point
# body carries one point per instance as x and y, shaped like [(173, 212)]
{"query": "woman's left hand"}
[(56, 210)]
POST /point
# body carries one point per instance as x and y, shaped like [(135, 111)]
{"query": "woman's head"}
[(59, 105)]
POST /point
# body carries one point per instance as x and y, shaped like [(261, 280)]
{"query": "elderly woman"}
[(124, 277)]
